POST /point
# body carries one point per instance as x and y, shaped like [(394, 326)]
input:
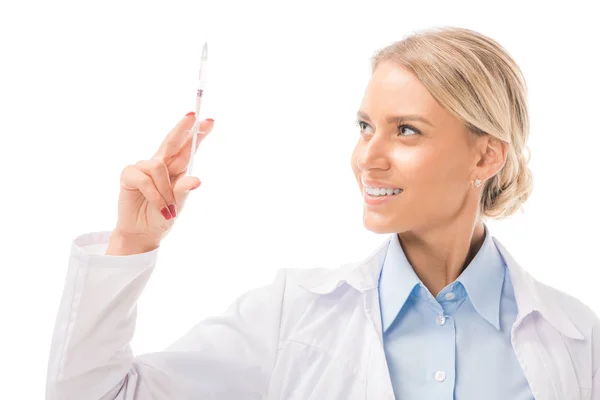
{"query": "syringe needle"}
[(205, 51)]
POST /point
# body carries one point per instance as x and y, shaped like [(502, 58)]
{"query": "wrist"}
[(121, 244)]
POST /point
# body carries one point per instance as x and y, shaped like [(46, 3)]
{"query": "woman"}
[(440, 310)]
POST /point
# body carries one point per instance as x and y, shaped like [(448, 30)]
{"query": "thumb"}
[(182, 189)]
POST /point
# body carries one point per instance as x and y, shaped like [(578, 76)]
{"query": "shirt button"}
[(450, 296), (441, 319), (440, 376)]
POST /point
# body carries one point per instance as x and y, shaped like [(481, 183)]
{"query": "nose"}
[(373, 154)]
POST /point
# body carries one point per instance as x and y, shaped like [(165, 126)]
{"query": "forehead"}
[(393, 88)]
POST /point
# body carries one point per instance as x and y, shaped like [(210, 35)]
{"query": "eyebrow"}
[(397, 119)]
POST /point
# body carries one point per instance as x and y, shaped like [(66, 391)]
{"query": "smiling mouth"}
[(382, 192)]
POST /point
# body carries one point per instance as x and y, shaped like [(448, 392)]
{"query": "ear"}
[(492, 153)]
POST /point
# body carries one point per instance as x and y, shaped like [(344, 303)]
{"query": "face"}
[(429, 156)]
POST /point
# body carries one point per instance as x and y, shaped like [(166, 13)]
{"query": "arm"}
[(91, 357)]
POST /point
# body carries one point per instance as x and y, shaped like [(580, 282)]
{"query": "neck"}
[(439, 254)]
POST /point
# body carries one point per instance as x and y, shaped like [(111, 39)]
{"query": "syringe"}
[(200, 90)]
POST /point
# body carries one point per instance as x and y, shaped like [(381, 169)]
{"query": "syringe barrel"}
[(202, 75)]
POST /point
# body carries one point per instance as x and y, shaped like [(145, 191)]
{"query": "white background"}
[(87, 88)]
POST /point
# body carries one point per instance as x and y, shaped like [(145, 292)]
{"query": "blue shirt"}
[(456, 345)]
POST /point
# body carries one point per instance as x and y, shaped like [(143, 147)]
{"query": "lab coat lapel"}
[(538, 336), (363, 276), (377, 377), (534, 360)]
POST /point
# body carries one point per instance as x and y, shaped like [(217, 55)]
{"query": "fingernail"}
[(210, 119), (190, 113), (165, 212), (172, 209), (196, 186)]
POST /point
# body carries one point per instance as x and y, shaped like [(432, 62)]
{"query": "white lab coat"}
[(310, 334)]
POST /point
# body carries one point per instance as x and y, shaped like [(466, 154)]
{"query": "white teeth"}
[(382, 191)]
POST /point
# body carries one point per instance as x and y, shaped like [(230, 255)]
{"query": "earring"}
[(477, 183)]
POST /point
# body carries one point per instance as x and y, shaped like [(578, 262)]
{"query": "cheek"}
[(354, 160), (417, 166), (427, 166)]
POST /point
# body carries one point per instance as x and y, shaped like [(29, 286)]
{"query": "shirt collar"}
[(530, 295), (482, 279), (396, 282)]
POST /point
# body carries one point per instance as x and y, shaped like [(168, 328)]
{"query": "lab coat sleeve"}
[(223, 357)]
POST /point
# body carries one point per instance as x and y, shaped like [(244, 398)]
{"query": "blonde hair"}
[(475, 78)]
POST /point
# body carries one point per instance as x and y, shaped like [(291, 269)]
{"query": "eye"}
[(415, 130), (362, 125)]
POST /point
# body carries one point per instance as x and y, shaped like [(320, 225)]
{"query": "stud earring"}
[(477, 183)]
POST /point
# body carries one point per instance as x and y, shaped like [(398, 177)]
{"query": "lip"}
[(378, 200)]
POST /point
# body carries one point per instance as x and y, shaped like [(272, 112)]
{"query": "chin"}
[(380, 225)]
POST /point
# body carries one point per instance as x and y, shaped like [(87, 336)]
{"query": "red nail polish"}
[(172, 209), (165, 212), (190, 113)]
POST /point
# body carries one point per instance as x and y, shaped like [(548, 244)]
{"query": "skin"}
[(437, 216)]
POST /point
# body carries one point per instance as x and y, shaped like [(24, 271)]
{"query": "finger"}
[(133, 178), (172, 143), (182, 189), (206, 127), (180, 162), (159, 173)]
